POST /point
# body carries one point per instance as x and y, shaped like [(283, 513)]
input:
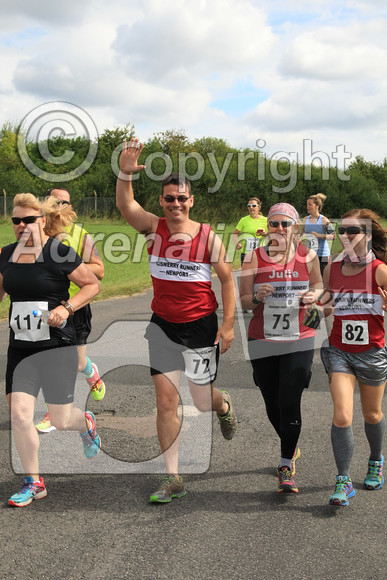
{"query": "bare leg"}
[(22, 406), (168, 423), (82, 362), (68, 418), (208, 398)]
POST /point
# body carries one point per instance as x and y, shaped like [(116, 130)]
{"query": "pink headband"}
[(284, 209)]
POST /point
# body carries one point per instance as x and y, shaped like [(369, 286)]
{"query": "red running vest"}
[(358, 322), (280, 317), (181, 274)]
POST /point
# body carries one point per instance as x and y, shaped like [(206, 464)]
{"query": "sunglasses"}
[(29, 219), (284, 224), (351, 230), (63, 202), (252, 205), (180, 198)]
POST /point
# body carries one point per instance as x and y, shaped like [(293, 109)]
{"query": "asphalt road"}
[(96, 521)]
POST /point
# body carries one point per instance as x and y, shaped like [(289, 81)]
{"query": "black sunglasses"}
[(63, 202), (284, 224), (180, 198), (351, 230), (29, 219)]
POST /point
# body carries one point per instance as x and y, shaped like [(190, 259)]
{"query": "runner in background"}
[(83, 243), (318, 229), (357, 282), (251, 229)]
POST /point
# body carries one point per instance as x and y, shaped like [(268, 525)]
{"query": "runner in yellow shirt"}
[(251, 229)]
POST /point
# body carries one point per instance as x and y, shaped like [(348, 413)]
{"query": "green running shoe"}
[(296, 455), (170, 487), (228, 422), (96, 384)]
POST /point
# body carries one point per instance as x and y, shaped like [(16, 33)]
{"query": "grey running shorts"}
[(369, 367)]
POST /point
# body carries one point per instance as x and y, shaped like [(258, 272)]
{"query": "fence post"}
[(5, 202), (95, 202)]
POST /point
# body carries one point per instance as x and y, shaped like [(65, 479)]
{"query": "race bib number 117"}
[(25, 325)]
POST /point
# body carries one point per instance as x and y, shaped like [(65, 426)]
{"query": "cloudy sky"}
[(294, 76)]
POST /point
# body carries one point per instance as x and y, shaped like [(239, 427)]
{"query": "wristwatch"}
[(254, 299), (69, 307)]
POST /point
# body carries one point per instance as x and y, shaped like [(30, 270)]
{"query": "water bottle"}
[(44, 314)]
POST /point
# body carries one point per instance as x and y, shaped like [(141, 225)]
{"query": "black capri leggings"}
[(282, 379)]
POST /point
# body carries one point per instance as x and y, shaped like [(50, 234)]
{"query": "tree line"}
[(223, 178)]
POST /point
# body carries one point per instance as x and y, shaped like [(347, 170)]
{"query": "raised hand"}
[(129, 156)]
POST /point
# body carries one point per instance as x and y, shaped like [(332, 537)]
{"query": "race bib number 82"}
[(354, 332)]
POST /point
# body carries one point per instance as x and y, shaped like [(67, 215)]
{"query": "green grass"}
[(125, 257), (123, 252)]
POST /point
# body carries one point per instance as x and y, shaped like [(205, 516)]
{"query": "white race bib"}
[(200, 364), (252, 244), (25, 325), (281, 322), (312, 241), (354, 332)]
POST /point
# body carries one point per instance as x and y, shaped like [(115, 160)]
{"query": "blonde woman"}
[(318, 229), (35, 272)]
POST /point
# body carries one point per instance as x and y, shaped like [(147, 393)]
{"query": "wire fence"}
[(96, 207)]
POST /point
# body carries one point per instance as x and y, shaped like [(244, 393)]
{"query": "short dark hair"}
[(176, 179), (49, 191)]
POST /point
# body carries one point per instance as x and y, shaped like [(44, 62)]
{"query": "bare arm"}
[(91, 257), (89, 286), (3, 293), (143, 221), (224, 273), (315, 280), (381, 280), (235, 235), (246, 290), (329, 228)]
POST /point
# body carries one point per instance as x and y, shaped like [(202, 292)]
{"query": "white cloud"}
[(162, 65), (57, 13), (186, 41)]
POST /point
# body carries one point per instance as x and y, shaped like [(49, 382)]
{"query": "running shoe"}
[(96, 384), (228, 422), (90, 439), (296, 455), (29, 491), (343, 491), (170, 487), (374, 478), (285, 480), (44, 425)]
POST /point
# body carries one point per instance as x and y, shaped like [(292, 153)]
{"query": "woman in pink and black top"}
[(357, 281), (277, 282)]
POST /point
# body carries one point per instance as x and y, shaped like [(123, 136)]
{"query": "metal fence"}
[(87, 206)]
